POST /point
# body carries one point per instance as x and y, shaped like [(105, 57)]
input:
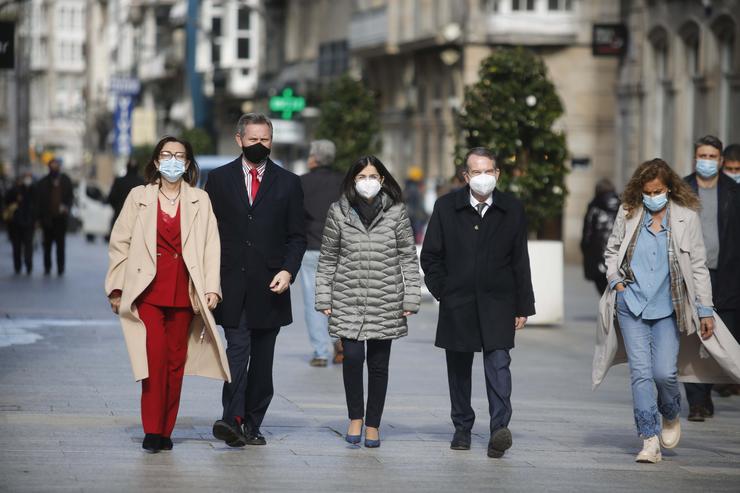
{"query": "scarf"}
[(368, 211), (678, 286)]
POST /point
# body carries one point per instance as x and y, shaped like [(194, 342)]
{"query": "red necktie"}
[(255, 184)]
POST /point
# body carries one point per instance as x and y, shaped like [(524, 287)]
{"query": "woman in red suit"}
[(173, 221)]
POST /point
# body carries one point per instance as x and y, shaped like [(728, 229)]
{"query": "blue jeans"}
[(652, 354), (317, 322)]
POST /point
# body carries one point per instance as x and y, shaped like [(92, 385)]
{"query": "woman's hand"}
[(706, 328), (407, 314), (619, 287), (212, 300), (115, 303), (327, 312)]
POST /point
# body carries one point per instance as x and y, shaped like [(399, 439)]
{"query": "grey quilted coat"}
[(368, 277)]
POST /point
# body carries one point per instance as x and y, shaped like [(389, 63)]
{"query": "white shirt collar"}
[(474, 202)]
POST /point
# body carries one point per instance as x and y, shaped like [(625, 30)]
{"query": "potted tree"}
[(512, 110)]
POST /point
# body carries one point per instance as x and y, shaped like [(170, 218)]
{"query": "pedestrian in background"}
[(163, 281), (476, 265), (597, 226), (54, 198), (367, 283), (259, 208), (321, 187), (121, 187), (731, 162), (20, 216), (413, 197), (662, 296), (719, 199)]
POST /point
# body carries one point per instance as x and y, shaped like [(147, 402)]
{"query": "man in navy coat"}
[(476, 264), (259, 209)]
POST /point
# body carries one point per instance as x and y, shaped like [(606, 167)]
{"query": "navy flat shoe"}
[(353, 439), (372, 443)]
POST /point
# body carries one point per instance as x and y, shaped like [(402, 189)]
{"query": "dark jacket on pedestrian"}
[(53, 203), (726, 292), (597, 227), (478, 268), (368, 275), (257, 242), (321, 188), (120, 190), (21, 199)]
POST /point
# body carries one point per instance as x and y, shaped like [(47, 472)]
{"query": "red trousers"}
[(166, 351)]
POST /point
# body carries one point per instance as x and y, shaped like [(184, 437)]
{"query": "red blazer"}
[(170, 285)]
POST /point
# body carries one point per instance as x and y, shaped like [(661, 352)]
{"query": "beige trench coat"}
[(716, 360), (132, 265)]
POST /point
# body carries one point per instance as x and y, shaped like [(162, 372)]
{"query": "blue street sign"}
[(122, 122)]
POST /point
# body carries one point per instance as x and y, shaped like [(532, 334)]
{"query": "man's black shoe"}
[(231, 434), (696, 413), (500, 442), (253, 436), (460, 440)]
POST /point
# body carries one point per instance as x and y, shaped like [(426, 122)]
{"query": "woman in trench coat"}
[(163, 281), (368, 283), (656, 313)]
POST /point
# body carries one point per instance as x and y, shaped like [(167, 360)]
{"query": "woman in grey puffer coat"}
[(367, 283)]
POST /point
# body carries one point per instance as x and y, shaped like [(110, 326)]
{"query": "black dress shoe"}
[(460, 440), (253, 436), (709, 407), (231, 434), (696, 413), (166, 443), (152, 443), (500, 442)]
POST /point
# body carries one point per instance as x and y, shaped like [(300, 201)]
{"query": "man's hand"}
[(519, 322), (280, 282), (211, 300), (327, 312), (707, 327), (115, 303)]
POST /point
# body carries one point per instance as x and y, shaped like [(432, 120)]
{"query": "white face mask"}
[(368, 188), (483, 184)]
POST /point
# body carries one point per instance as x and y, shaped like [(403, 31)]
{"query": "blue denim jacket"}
[(650, 295)]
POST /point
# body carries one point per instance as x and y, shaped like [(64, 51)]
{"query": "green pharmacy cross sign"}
[(287, 104)]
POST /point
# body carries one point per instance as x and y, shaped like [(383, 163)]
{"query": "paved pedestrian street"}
[(69, 411)]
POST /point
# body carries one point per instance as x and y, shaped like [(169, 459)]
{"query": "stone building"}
[(680, 80)]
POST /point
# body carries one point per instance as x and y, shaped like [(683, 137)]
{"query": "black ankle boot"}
[(166, 443), (152, 443)]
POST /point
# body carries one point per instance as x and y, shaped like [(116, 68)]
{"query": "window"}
[(216, 27), (243, 18), (560, 5), (215, 53), (216, 39), (333, 58), (242, 48), (726, 96), (518, 5)]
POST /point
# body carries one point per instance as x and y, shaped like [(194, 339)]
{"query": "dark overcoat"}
[(478, 268), (257, 242), (726, 292)]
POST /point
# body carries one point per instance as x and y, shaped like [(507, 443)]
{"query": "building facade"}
[(680, 80)]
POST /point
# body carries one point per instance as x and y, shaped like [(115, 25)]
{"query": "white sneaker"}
[(650, 452), (671, 432)]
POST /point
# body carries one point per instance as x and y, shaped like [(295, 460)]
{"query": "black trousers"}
[(21, 237), (55, 231), (700, 394), (250, 353), (378, 357), (498, 387)]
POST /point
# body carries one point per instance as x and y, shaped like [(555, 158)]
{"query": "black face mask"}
[(256, 153)]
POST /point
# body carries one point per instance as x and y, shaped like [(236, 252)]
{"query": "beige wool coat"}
[(716, 360), (132, 266)]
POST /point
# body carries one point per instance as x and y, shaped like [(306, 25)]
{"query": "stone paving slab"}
[(69, 412)]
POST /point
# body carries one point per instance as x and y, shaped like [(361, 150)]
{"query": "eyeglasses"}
[(180, 156)]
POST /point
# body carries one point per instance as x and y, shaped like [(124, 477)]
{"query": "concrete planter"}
[(546, 261)]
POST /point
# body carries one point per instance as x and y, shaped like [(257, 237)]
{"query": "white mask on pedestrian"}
[(483, 184), (368, 188)]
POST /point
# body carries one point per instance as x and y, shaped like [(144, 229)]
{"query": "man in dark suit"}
[(476, 264), (54, 198), (122, 185), (720, 224), (259, 209)]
